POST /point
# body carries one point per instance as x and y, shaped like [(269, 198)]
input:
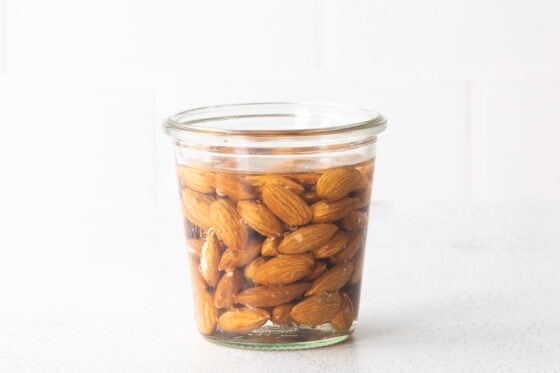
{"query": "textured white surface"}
[(448, 287)]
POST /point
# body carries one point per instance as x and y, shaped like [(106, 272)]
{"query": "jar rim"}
[(282, 119)]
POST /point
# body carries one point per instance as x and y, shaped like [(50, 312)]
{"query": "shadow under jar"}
[(276, 200)]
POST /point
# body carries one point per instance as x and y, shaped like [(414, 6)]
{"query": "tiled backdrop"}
[(471, 90)]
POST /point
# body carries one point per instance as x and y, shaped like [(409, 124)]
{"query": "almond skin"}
[(250, 268), (194, 246), (241, 320), (238, 258), (281, 314), (317, 309), (307, 238), (205, 312), (333, 246), (286, 205), (354, 221), (344, 318), (319, 268), (284, 269), (358, 266), (199, 181), (329, 212), (270, 246), (265, 296), (354, 245), (228, 286), (210, 259), (260, 181), (260, 218), (196, 207), (333, 280), (233, 186), (228, 225), (337, 183)]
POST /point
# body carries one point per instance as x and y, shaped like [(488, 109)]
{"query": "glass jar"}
[(276, 200)]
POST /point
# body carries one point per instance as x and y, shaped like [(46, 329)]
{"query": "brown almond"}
[(194, 246), (260, 218), (286, 205), (307, 178), (205, 312), (199, 181), (238, 258), (233, 186), (241, 320), (337, 183), (333, 246), (333, 280), (270, 246), (250, 268), (266, 296), (317, 309), (319, 268), (367, 169), (281, 314), (307, 238), (329, 212), (228, 225), (344, 318), (355, 243), (310, 196), (284, 269), (354, 221), (259, 182), (228, 286), (196, 207), (364, 196), (210, 259)]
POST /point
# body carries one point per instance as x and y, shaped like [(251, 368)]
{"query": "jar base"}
[(270, 339)]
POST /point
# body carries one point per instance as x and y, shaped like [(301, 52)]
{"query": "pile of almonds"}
[(281, 247)]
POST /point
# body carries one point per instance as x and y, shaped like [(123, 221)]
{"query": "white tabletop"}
[(447, 287)]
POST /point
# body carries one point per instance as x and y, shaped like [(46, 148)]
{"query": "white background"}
[(89, 216)]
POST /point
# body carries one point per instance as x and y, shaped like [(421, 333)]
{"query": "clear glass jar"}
[(276, 201)]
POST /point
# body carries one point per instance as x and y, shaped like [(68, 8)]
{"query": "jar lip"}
[(220, 120)]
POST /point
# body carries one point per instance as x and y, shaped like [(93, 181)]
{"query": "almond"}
[(228, 286), (241, 320), (266, 296), (286, 205), (317, 309), (333, 280), (310, 196), (259, 182), (205, 313), (196, 207), (344, 319), (260, 218), (307, 238), (329, 212), (354, 221), (228, 225), (233, 186), (196, 180), (318, 269), (238, 258), (367, 169), (284, 269), (210, 259), (354, 245), (281, 314), (364, 196), (270, 246), (337, 183), (333, 246), (250, 268), (194, 246)]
